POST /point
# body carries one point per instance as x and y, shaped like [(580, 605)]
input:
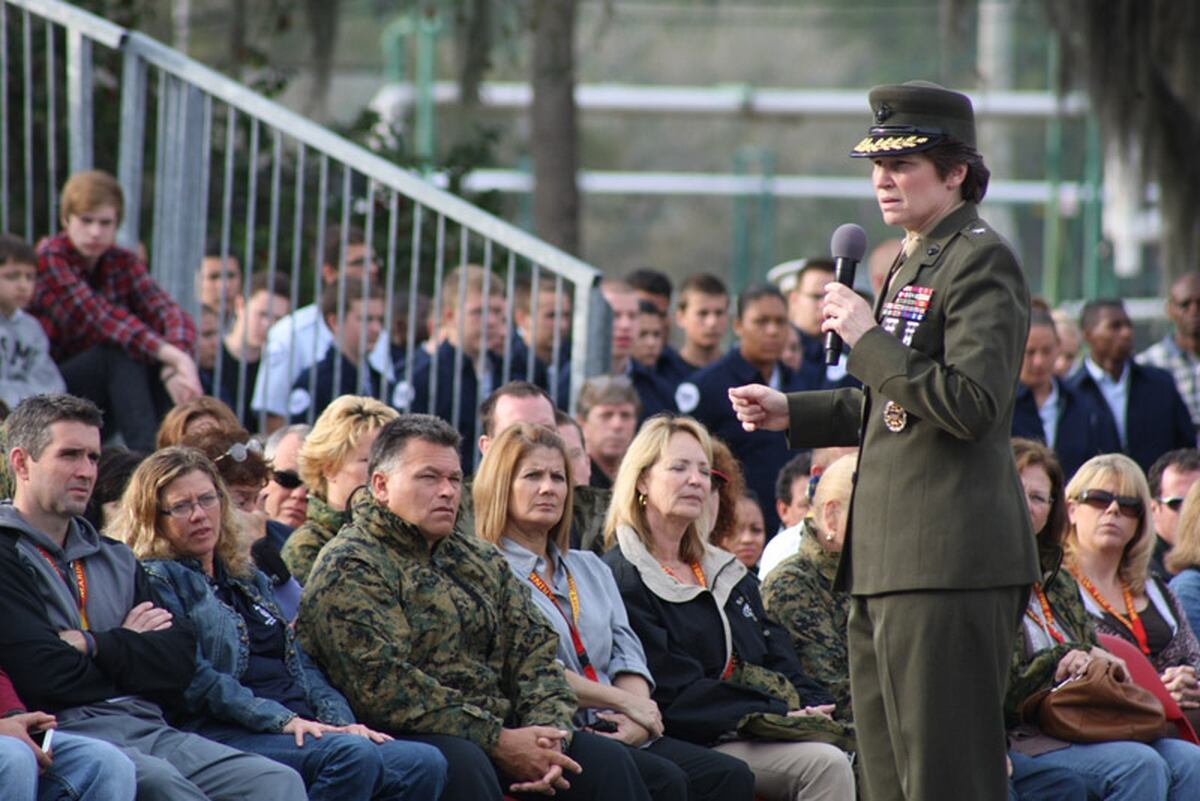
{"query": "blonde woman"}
[(714, 654), (333, 464), (1108, 546), (523, 493), (254, 688), (1184, 558)]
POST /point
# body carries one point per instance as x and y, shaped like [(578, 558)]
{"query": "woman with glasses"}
[(254, 688), (1109, 543), (1057, 640), (333, 464)]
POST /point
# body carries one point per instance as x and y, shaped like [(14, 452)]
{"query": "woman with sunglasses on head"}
[(255, 689), (1108, 544), (333, 464)]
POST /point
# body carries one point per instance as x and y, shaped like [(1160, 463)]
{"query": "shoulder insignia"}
[(687, 397), (299, 401)]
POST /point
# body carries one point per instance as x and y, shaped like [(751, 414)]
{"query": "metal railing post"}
[(80, 96), (132, 145)]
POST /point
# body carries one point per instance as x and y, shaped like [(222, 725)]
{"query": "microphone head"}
[(849, 241)]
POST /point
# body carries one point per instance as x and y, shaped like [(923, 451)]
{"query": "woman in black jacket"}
[(721, 668)]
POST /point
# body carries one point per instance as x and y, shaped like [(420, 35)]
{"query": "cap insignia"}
[(883, 112)]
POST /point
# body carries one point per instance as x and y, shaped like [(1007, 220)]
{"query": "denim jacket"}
[(223, 651)]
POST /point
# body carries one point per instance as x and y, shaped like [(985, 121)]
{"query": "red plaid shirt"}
[(115, 302)]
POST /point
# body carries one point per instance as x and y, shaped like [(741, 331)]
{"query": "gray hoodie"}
[(25, 364), (110, 569)]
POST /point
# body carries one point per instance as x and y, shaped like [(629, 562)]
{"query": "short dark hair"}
[(332, 254), (704, 284), (647, 279), (1040, 316), (798, 466), (647, 307), (389, 444), (276, 283), (756, 292), (354, 291), (1185, 460), (1090, 315), (947, 155), (15, 250), (514, 389), (113, 471), (819, 264), (561, 419), (29, 424)]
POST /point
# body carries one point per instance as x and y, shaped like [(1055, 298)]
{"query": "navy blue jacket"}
[(303, 401), (763, 453), (1084, 430), (1156, 418)]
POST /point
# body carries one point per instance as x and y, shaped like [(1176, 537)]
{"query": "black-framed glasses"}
[(1174, 503), (1127, 505), (239, 451), (288, 479), (183, 509)]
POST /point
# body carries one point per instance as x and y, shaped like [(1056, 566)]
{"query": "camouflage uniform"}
[(799, 594), (430, 641), (1034, 670), (587, 516), (303, 545)]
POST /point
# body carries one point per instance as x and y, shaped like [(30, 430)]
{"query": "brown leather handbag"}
[(1101, 705)]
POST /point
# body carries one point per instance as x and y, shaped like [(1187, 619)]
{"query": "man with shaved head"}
[(1179, 352)]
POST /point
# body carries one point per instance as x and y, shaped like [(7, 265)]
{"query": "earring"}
[(829, 538), (641, 499)]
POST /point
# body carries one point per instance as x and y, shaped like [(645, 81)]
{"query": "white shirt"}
[(781, 546), (294, 343), (1115, 392)]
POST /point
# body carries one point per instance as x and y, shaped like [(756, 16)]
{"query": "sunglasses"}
[(240, 451), (1174, 504), (286, 479), (1100, 500)]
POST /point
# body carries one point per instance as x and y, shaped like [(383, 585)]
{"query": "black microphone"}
[(847, 246)]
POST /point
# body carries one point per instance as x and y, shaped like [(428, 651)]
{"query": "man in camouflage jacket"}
[(429, 635)]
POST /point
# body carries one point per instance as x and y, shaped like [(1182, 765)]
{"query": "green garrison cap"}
[(915, 116)]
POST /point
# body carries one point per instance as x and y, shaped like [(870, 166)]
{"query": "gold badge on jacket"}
[(910, 305), (894, 417)]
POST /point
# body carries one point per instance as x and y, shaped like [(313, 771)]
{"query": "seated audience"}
[(650, 340), (1183, 560), (750, 533), (26, 367), (1179, 351), (1141, 407), (607, 410), (118, 337), (800, 592), (285, 498), (791, 489), (1108, 547), (100, 654), (113, 470), (242, 346), (728, 485), (1051, 411), (219, 281), (702, 314), (524, 484), (78, 768), (572, 436), (354, 333), (760, 326), (787, 541), (302, 339), (1058, 639), (694, 606), (255, 689), (333, 464), (189, 419), (429, 635), (1170, 477), (537, 326)]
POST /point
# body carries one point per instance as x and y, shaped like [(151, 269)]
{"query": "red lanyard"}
[(1133, 622), (576, 640), (80, 583), (1047, 621), (698, 572)]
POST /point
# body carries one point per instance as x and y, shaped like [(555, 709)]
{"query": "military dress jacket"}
[(422, 640), (937, 503)]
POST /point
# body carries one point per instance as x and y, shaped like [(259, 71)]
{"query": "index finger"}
[(559, 758)]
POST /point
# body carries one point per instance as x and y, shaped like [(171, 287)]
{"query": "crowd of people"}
[(275, 556)]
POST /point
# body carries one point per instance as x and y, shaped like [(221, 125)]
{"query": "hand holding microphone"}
[(847, 315)]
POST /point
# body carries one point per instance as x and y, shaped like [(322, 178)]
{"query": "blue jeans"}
[(1128, 771), (84, 769), (342, 766), (1034, 780)]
